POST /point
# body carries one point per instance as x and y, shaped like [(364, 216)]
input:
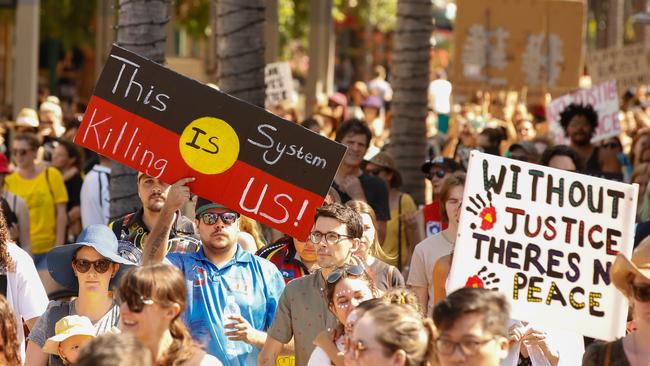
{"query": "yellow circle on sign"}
[(209, 145)]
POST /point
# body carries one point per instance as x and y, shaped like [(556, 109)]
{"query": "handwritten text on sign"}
[(603, 97), (547, 239), (169, 126)]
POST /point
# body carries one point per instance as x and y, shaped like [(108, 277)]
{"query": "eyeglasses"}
[(331, 237), (210, 218), (135, 303), (467, 347), (336, 274), (374, 171), (641, 293), (20, 152), (440, 173), (83, 265)]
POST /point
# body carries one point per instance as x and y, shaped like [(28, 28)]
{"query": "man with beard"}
[(579, 123), (135, 227), (303, 311), (219, 274)]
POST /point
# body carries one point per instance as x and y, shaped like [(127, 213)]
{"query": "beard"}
[(156, 205)]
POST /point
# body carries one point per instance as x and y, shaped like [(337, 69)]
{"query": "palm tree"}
[(140, 29), (240, 49), (410, 82)]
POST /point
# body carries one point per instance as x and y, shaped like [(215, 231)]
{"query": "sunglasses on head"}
[(210, 218), (336, 274), (83, 265), (135, 303), (440, 173), (641, 293)]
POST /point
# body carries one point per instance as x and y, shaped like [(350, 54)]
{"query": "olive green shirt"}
[(302, 313)]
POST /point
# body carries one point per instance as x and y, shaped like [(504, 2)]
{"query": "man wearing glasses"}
[(303, 310), (215, 275), (472, 326)]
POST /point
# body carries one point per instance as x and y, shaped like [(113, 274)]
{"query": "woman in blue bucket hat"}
[(90, 267)]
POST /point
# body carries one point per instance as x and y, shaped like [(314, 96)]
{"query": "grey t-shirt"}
[(56, 310), (302, 313), (386, 277)]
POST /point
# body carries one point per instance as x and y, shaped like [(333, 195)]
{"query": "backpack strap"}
[(47, 179)]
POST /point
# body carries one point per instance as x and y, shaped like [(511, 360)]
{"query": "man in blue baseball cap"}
[(220, 273)]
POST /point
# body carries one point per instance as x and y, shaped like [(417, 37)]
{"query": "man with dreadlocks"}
[(579, 123), (20, 284)]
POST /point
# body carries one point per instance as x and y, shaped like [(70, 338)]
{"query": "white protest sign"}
[(545, 238), (603, 97), (279, 83)]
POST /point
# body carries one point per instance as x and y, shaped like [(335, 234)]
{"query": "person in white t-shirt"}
[(24, 291), (427, 252), (95, 196)]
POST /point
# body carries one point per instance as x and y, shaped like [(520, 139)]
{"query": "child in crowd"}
[(72, 334)]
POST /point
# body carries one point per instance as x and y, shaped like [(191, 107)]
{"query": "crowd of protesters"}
[(187, 281)]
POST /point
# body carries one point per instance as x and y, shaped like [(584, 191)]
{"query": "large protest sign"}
[(546, 238), (168, 126), (504, 44), (603, 97), (279, 83), (628, 65)]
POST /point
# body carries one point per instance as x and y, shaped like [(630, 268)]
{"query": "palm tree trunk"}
[(140, 29), (240, 49), (410, 83)]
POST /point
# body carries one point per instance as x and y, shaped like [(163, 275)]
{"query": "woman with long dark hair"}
[(158, 292)]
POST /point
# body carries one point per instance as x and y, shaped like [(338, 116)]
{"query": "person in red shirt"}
[(293, 258), (436, 170)]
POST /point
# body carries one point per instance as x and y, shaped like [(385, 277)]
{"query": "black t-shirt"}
[(131, 229), (73, 186), (376, 194)]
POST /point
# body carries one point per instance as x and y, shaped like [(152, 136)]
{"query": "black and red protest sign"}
[(169, 126)]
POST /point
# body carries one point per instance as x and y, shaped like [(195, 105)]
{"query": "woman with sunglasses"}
[(391, 335), (632, 278), (144, 297), (347, 287), (91, 267), (401, 234), (384, 275)]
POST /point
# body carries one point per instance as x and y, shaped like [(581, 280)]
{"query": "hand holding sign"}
[(179, 194)]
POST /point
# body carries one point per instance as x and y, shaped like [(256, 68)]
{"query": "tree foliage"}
[(68, 21)]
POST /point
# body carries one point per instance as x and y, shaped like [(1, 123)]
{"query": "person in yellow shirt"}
[(44, 191), (401, 235)]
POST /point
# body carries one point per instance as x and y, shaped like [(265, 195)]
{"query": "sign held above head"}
[(168, 126), (546, 238)]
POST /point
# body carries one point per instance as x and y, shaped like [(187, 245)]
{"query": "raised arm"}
[(155, 245)]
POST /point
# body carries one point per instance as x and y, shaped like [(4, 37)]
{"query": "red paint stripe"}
[(280, 202)]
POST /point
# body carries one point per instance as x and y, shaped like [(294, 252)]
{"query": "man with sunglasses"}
[(219, 270), (303, 311), (436, 170), (134, 227), (472, 326)]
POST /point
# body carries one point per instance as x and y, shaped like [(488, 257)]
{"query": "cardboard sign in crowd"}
[(603, 97), (628, 65), (168, 126), (546, 238), (279, 83)]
